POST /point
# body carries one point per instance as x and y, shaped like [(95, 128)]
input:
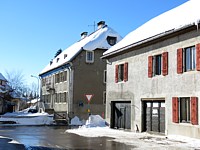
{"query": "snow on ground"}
[(138, 140)]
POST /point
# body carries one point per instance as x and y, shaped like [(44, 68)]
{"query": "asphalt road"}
[(52, 138)]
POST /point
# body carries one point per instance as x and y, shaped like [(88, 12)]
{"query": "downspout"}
[(70, 91)]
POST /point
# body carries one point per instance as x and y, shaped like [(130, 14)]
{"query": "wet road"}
[(54, 138)]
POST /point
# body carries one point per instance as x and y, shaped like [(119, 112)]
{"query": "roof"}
[(2, 77), (91, 42), (183, 15)]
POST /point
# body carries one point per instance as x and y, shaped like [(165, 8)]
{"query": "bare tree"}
[(15, 80)]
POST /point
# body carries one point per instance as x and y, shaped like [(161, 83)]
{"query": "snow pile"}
[(140, 140), (26, 117), (183, 15), (95, 121), (76, 121)]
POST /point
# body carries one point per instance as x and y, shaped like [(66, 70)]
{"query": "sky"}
[(31, 31)]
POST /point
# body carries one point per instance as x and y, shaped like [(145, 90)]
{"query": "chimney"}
[(100, 24), (83, 35)]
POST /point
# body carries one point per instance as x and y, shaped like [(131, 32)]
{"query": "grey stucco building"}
[(76, 72), (153, 75)]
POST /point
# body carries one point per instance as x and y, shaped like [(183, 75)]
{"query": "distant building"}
[(76, 72), (3, 83), (153, 75)]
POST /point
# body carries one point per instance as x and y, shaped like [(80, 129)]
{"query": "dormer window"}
[(111, 40), (89, 56)]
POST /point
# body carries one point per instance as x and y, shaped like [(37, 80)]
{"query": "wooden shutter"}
[(175, 110), (194, 110), (165, 63), (150, 66), (198, 57), (180, 61), (116, 73), (125, 72)]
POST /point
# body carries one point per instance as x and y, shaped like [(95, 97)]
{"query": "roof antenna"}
[(94, 25)]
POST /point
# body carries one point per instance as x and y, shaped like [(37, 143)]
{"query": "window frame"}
[(185, 113), (157, 65), (189, 59), (89, 58)]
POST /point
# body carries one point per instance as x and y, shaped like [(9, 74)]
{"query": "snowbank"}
[(93, 121), (25, 117), (76, 121)]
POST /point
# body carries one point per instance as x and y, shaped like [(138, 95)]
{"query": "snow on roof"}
[(90, 43), (183, 15), (2, 77)]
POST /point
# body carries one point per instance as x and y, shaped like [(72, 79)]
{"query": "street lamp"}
[(37, 88)]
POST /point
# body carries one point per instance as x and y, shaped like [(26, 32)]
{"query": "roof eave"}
[(150, 39)]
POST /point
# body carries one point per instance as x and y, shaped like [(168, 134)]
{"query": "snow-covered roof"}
[(91, 42), (183, 15), (2, 77)]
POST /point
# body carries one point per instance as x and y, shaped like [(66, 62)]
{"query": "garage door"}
[(121, 115), (154, 116)]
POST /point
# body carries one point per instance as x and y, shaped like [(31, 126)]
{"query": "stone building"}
[(78, 73), (153, 75)]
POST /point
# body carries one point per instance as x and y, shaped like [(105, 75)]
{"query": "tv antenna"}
[(93, 25)]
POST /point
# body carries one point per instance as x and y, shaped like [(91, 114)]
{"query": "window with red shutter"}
[(175, 110), (125, 72), (180, 61), (165, 63), (198, 57), (116, 73), (194, 110), (150, 66)]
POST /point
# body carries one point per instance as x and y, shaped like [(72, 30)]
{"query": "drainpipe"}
[(70, 90)]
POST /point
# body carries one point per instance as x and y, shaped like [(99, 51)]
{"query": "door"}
[(121, 115), (153, 116)]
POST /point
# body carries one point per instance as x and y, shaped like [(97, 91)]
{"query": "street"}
[(52, 138)]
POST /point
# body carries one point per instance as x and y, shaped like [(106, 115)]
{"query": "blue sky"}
[(31, 31)]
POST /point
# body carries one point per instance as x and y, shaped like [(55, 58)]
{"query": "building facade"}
[(153, 82), (76, 73)]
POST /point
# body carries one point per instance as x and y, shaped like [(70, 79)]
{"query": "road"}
[(52, 138)]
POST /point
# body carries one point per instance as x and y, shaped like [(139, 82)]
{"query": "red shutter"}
[(194, 110), (175, 111), (165, 63), (150, 66), (198, 57), (125, 72), (116, 73), (180, 61)]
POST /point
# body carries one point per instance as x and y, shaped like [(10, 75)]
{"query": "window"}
[(89, 56), (65, 76), (121, 72), (111, 40), (189, 59), (158, 65), (105, 76), (185, 110), (104, 97), (184, 105)]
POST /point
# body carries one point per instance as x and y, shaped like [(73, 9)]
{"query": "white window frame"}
[(189, 58), (90, 59)]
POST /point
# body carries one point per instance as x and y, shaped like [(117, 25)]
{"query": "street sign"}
[(89, 96)]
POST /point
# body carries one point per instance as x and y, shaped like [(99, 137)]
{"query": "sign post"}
[(89, 97)]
